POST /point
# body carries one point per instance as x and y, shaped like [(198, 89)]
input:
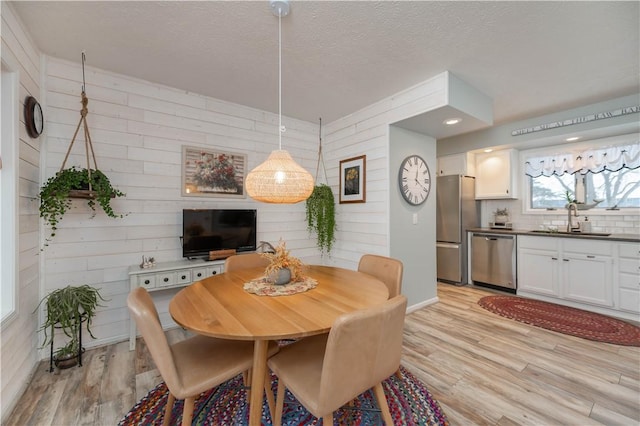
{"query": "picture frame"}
[(213, 172), (353, 180)]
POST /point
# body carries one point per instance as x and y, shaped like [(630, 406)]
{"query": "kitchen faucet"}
[(570, 226)]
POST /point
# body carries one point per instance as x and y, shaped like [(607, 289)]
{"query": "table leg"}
[(257, 381)]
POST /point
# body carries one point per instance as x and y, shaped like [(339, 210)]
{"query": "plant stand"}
[(83, 318)]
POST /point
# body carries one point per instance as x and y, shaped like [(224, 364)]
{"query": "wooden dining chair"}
[(325, 372), (386, 269), (191, 366), (245, 261)]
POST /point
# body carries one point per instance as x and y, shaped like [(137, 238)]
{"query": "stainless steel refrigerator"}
[(457, 210)]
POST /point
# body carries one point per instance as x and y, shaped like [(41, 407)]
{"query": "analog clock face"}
[(414, 180)]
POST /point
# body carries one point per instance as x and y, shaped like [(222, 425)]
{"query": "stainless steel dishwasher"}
[(493, 260)]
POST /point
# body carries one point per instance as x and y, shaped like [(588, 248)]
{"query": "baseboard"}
[(6, 411), (421, 305)]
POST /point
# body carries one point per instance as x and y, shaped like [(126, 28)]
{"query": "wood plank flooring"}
[(482, 368)]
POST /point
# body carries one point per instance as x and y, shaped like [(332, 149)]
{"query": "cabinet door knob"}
[(554, 258), (166, 280)]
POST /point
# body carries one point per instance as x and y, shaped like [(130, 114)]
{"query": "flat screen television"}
[(205, 230)]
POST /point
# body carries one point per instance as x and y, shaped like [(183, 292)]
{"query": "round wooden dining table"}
[(219, 306)]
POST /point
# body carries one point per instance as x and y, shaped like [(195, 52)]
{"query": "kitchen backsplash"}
[(619, 223)]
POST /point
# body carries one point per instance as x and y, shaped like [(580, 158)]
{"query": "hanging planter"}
[(320, 210), (321, 217), (86, 183), (56, 194)]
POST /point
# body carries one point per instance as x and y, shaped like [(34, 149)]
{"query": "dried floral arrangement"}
[(282, 259)]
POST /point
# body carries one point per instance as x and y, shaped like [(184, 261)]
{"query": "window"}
[(8, 190), (608, 177)]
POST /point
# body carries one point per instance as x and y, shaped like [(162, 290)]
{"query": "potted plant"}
[(283, 267), (66, 309), (57, 192), (321, 217)]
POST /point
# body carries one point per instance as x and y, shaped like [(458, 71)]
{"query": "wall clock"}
[(33, 118), (414, 180)]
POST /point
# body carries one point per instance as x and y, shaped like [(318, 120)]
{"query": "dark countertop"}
[(632, 238)]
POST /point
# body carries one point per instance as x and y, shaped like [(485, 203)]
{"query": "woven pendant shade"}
[(279, 179)]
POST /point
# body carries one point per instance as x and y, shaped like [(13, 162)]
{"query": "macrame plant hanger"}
[(320, 158), (87, 143)]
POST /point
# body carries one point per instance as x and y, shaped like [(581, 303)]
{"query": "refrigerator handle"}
[(447, 245)]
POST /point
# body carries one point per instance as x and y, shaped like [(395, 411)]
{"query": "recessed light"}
[(452, 121), (572, 138), (488, 150)]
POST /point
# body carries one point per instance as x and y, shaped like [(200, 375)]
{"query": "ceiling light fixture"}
[(279, 179), (488, 150), (572, 138), (452, 121)]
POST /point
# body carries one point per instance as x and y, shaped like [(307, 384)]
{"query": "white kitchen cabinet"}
[(457, 164), (497, 175), (570, 269), (628, 276), (538, 265), (587, 272), (169, 275)]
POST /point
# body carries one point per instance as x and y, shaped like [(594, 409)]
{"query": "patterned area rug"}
[(409, 401), (563, 319)]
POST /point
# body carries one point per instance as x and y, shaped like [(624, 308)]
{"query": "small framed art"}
[(353, 180), (210, 172)]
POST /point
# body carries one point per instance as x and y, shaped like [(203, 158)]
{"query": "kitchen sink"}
[(545, 231)]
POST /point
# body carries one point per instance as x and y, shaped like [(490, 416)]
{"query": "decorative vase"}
[(283, 276)]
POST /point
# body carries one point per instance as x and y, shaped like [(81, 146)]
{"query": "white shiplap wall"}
[(18, 335), (364, 228), (138, 129)]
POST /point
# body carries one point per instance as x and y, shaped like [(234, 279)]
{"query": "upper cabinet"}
[(457, 164), (497, 175)]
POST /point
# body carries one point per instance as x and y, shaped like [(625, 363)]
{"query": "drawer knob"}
[(184, 277), (166, 280), (214, 272), (199, 274), (146, 281)]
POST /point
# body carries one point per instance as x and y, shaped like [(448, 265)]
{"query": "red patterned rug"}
[(563, 319)]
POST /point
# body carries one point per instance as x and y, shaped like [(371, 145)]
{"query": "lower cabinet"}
[(538, 265), (628, 276), (565, 268)]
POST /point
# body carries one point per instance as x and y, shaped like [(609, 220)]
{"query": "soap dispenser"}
[(586, 225)]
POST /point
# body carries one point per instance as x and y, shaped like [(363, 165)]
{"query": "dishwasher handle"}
[(493, 237)]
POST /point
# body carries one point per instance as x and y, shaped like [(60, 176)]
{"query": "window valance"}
[(590, 161)]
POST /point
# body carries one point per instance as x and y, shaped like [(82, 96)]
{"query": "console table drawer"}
[(147, 281)]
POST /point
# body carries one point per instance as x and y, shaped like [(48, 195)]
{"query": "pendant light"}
[(279, 179)]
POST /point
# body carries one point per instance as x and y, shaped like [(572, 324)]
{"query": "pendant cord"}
[(280, 79)]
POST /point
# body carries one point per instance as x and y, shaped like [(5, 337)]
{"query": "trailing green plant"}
[(321, 217), (66, 309), (54, 194)]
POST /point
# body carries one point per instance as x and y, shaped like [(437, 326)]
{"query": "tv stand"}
[(164, 275)]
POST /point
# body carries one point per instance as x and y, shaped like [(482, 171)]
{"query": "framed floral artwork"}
[(212, 172), (353, 180)]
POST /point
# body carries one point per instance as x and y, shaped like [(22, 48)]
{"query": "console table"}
[(162, 276)]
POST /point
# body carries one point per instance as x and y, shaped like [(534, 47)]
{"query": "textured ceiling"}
[(531, 58)]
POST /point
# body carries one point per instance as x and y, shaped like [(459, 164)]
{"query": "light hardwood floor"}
[(482, 368)]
